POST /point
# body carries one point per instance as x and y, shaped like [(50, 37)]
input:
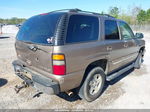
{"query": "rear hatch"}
[(34, 44)]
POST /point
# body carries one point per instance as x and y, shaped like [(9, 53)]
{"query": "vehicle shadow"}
[(4, 37), (3, 82), (120, 77), (114, 81), (65, 96), (75, 97)]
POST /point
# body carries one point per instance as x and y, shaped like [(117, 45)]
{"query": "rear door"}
[(114, 44), (129, 44)]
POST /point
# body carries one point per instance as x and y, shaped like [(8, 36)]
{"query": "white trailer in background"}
[(1, 28), (6, 30)]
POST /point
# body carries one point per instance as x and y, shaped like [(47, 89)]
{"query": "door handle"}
[(109, 48), (125, 45)]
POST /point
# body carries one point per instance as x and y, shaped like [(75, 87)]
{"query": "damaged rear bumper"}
[(35, 79)]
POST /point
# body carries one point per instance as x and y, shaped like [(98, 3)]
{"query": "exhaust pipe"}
[(70, 93)]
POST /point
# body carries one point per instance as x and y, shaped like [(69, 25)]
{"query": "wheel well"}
[(142, 49), (101, 63)]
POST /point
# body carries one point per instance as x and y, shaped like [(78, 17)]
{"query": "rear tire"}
[(93, 84)]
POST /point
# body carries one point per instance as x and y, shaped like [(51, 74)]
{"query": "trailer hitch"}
[(21, 86), (25, 85)]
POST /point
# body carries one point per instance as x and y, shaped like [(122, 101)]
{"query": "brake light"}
[(59, 66), (44, 14)]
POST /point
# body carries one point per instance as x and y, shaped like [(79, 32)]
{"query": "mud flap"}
[(80, 93)]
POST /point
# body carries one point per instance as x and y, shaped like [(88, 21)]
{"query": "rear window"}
[(82, 28), (39, 29), (111, 30)]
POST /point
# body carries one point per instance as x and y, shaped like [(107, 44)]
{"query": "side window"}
[(125, 30), (111, 30), (82, 28)]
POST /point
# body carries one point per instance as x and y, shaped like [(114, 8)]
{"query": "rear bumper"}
[(64, 83), (38, 81)]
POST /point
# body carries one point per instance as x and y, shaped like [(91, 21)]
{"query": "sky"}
[(28, 8)]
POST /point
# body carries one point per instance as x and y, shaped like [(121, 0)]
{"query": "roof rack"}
[(67, 10), (79, 10), (107, 15), (75, 10)]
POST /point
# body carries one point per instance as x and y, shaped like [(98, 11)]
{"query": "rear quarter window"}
[(82, 28)]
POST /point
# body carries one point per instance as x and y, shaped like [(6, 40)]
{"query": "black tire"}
[(95, 76), (139, 61)]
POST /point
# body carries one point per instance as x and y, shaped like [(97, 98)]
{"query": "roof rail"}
[(107, 15), (75, 10), (79, 10), (68, 10)]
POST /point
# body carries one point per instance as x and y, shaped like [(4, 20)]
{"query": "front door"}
[(130, 47)]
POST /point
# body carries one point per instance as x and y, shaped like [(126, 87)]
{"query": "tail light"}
[(59, 65)]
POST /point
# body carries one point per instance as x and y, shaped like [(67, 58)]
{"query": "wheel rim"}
[(95, 84)]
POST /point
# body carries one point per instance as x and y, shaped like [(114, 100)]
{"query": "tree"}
[(142, 16), (135, 11), (114, 11), (148, 15)]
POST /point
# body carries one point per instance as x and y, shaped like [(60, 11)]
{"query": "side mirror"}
[(139, 35)]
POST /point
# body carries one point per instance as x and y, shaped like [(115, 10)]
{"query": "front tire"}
[(139, 61), (93, 84)]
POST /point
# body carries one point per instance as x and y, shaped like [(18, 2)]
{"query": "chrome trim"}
[(116, 62)]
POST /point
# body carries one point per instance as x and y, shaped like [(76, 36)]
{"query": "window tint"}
[(111, 30), (125, 30), (82, 28), (39, 29)]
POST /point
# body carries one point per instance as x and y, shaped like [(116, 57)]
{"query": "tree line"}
[(13, 20), (135, 16)]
